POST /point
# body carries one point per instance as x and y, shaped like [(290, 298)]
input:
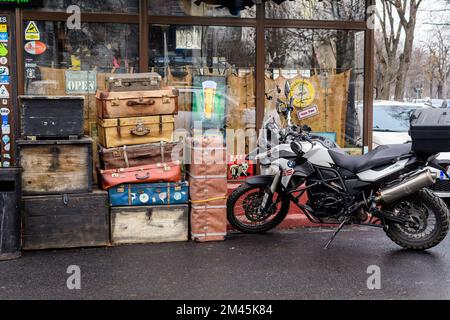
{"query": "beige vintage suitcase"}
[(133, 131), (136, 103), (208, 223), (152, 224)]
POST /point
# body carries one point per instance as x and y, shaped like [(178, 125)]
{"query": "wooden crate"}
[(154, 224), (51, 117), (65, 221), (56, 167)]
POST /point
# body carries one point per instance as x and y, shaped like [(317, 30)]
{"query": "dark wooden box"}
[(56, 167), (52, 117), (65, 221), (10, 194)]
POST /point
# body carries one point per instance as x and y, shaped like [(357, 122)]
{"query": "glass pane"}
[(316, 10), (213, 68), (77, 62), (204, 8), (326, 71), (111, 6)]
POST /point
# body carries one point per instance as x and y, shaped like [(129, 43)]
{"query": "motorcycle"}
[(385, 188)]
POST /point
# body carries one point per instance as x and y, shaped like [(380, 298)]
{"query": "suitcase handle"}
[(141, 103), (140, 130), (147, 176)]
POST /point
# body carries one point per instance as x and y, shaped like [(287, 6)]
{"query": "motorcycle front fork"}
[(268, 195)]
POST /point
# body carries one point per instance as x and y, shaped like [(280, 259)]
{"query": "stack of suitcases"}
[(208, 188), (141, 167), (60, 207)]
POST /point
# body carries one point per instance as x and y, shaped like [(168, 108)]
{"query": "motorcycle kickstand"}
[(339, 229)]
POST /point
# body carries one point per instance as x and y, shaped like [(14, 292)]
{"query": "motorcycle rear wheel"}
[(430, 218), (245, 218)]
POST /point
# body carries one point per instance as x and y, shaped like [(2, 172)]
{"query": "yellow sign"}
[(303, 93), (3, 28), (32, 32)]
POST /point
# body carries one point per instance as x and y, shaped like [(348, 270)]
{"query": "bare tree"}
[(387, 47), (439, 59)]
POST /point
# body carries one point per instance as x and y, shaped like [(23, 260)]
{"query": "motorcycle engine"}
[(326, 203)]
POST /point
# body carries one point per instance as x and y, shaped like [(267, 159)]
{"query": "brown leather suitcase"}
[(208, 190), (208, 223), (134, 82), (208, 156), (136, 103), (133, 156), (120, 132)]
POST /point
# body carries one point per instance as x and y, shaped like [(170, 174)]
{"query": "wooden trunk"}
[(155, 224), (56, 167), (69, 221), (52, 117), (134, 131), (136, 103)]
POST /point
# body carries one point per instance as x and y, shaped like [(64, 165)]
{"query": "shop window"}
[(62, 62), (110, 6), (213, 68), (205, 8), (325, 69), (316, 10)]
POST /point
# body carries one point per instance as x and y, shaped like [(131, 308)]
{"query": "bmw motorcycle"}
[(386, 188)]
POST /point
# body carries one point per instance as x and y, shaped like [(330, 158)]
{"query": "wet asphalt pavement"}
[(278, 265)]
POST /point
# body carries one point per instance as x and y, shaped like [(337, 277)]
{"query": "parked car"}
[(391, 124)]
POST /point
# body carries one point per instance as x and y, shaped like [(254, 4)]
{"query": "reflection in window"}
[(110, 6), (213, 68), (316, 10), (77, 62), (326, 71), (205, 8)]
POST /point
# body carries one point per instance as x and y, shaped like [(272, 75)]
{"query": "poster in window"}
[(189, 38), (208, 105)]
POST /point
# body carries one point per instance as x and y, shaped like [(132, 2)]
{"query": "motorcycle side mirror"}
[(306, 128), (297, 148), (287, 89)]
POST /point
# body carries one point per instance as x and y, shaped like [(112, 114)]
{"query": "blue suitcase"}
[(149, 194)]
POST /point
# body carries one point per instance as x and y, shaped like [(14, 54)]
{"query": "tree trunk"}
[(440, 90)]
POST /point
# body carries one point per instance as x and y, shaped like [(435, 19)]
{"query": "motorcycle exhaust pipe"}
[(406, 188)]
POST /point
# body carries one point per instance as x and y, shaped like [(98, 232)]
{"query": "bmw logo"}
[(291, 164)]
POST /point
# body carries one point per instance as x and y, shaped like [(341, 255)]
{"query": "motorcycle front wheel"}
[(428, 223), (243, 209)]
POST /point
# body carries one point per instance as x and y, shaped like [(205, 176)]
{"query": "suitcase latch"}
[(165, 100), (115, 102), (140, 130)]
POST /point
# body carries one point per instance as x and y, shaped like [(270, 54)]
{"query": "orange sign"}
[(35, 47)]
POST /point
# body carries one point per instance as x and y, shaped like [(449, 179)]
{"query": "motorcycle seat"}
[(381, 156)]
